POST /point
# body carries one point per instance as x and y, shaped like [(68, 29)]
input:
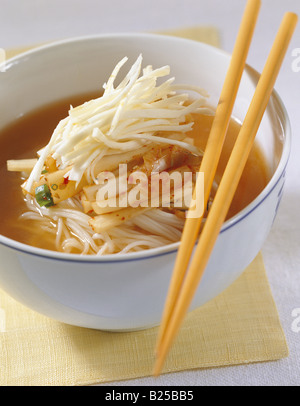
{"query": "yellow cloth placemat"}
[(240, 326), (209, 35)]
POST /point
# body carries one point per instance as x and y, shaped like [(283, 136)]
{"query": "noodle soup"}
[(116, 292), (31, 132)]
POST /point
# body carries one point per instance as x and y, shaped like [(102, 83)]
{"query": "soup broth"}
[(31, 132)]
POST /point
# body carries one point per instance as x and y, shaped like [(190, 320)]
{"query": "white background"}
[(28, 22)]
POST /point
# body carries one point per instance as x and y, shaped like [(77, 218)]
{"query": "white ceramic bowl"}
[(127, 292)]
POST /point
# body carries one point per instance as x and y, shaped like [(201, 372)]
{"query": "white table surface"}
[(26, 22)]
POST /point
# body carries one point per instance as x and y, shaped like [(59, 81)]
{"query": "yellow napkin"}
[(209, 35), (240, 326)]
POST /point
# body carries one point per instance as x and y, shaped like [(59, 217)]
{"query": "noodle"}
[(73, 234), (138, 124)]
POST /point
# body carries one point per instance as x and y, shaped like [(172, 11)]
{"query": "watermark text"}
[(296, 322), (2, 59), (181, 189), (296, 60), (2, 321)]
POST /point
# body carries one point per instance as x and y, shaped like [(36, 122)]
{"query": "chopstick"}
[(212, 154), (228, 184)]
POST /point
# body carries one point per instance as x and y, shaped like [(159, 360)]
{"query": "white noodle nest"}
[(136, 113)]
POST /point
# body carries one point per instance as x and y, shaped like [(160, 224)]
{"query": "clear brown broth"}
[(32, 131)]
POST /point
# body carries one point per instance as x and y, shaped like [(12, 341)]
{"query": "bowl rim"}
[(170, 248)]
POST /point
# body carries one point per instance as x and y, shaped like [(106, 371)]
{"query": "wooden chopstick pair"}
[(184, 282)]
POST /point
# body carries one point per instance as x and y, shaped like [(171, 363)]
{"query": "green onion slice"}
[(43, 196)]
